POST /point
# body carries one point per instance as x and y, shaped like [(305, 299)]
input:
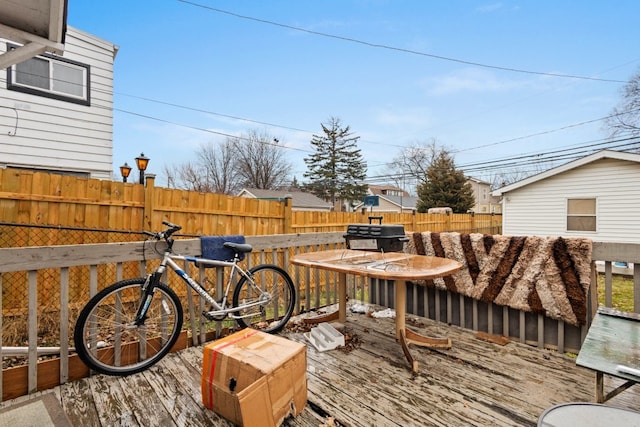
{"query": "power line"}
[(525, 156), (624, 144), (397, 49), (481, 166), (199, 110), (175, 105), (553, 157), (546, 132), (228, 135), (171, 104), (541, 160)]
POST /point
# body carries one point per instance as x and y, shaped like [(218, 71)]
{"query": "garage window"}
[(581, 215)]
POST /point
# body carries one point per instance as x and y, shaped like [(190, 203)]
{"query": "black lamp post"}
[(142, 162), (125, 170)]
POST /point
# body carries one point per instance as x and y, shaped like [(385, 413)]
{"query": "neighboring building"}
[(56, 111), (485, 201), (393, 199), (597, 196), (389, 199), (300, 201), (386, 190)]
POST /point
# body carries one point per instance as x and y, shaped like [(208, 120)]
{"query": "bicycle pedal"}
[(210, 316)]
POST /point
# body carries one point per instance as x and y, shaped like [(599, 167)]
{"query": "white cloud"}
[(394, 116), (474, 80), (491, 7)]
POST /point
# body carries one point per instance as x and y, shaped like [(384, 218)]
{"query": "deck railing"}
[(55, 266)]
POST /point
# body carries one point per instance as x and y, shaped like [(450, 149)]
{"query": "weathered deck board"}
[(157, 409), (112, 403), (177, 383), (78, 403), (379, 369), (475, 383)]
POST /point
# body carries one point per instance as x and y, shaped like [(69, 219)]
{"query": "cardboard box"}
[(255, 379)]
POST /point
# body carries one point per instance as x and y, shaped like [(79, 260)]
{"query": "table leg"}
[(342, 297), (341, 314), (401, 307), (406, 336), (599, 387), (601, 396)]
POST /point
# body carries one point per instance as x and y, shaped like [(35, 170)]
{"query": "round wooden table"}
[(396, 266)]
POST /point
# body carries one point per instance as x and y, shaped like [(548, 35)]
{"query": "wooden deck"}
[(475, 383)]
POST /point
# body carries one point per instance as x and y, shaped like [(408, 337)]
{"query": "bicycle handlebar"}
[(166, 234)]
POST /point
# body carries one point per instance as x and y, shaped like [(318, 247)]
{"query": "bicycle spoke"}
[(266, 301), (107, 338)]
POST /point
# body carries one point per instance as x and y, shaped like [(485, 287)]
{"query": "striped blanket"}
[(547, 275)]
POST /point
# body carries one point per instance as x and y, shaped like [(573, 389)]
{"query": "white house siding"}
[(58, 135), (540, 208), (383, 206)]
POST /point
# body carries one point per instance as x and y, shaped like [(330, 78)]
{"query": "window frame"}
[(594, 215), (52, 93)]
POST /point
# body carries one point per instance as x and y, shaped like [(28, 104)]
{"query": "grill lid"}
[(372, 231), (375, 237)]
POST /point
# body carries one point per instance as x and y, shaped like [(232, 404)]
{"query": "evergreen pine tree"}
[(445, 186), (336, 166)]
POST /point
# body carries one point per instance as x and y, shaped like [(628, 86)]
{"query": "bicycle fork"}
[(147, 295)]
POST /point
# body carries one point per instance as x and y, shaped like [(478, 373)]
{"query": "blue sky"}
[(398, 72)]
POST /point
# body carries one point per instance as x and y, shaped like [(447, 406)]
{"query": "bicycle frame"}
[(169, 259)]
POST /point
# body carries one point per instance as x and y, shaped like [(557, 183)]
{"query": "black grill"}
[(374, 237)]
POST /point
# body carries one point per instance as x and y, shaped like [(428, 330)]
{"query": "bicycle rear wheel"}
[(108, 341), (269, 299)]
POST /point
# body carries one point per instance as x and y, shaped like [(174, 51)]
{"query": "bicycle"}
[(132, 324)]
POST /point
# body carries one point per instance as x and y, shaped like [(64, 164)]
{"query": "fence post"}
[(288, 213), (496, 223), (148, 202)]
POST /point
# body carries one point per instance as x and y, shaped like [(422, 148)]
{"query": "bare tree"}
[(507, 176), (218, 162), (260, 162), (254, 160), (411, 164), (626, 115), (171, 172), (212, 172)]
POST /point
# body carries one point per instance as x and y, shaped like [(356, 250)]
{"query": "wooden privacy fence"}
[(322, 222), (61, 203), (43, 209)]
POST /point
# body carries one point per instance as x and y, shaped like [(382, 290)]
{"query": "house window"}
[(52, 77), (581, 215)]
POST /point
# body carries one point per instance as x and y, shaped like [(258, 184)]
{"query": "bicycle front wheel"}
[(267, 299), (107, 339)]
